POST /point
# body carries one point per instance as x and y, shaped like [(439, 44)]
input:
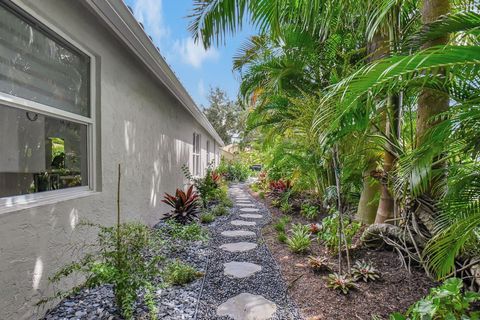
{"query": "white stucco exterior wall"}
[(140, 125)]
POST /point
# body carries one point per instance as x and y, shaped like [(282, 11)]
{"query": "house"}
[(83, 89)]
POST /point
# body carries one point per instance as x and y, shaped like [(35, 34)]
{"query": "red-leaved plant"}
[(280, 186), (185, 205)]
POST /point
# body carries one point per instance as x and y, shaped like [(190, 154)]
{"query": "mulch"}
[(396, 290)]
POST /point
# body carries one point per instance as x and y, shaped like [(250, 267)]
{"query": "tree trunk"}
[(368, 204), (431, 103)]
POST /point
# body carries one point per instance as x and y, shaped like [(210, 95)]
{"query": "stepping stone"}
[(246, 306), (251, 216), (238, 233), (242, 223), (245, 204), (249, 209), (240, 269), (238, 246)]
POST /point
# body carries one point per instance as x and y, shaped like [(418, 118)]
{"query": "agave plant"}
[(185, 205), (365, 271)]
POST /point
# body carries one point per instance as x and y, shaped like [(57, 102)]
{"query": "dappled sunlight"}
[(73, 218), (129, 134), (37, 273)]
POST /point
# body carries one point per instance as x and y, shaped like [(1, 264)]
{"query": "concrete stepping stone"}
[(238, 233), (240, 269), (251, 216), (245, 204), (246, 306), (242, 198), (249, 209), (238, 246), (242, 223)]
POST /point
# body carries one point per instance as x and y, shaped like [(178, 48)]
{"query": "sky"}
[(166, 21)]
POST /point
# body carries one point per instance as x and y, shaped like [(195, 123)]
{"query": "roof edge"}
[(121, 21)]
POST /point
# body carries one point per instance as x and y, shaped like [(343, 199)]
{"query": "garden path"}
[(243, 281)]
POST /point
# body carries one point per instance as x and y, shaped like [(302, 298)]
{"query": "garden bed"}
[(396, 290)]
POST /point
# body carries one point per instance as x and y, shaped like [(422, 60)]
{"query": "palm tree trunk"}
[(368, 204), (431, 103)]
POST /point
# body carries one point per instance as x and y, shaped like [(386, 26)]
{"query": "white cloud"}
[(150, 14), (192, 53)]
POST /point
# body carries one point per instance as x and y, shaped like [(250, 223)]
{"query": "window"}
[(196, 154), (45, 108), (208, 152)]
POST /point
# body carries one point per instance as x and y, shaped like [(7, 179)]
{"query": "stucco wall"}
[(141, 126)]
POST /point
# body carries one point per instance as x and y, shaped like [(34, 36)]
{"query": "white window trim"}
[(208, 152), (196, 156), (15, 203)]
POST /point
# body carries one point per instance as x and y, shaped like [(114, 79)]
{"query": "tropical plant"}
[(188, 232), (185, 205), (308, 211), (233, 170), (220, 210), (319, 264), (341, 283), (177, 272), (299, 240), (444, 302), (282, 236), (329, 232), (207, 217), (365, 271), (281, 223)]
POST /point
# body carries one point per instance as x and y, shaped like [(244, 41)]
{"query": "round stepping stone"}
[(242, 223), (249, 209), (238, 246), (246, 306), (251, 216), (240, 269), (238, 233)]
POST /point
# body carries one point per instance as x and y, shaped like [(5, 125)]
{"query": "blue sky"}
[(198, 69)]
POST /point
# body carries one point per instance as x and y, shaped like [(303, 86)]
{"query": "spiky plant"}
[(319, 264), (365, 271), (185, 205), (341, 283)]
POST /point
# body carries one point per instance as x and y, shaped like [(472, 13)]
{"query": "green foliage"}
[(286, 207), (444, 302), (220, 210), (281, 223), (319, 264), (341, 283), (185, 205), (282, 236), (189, 232), (329, 231), (261, 195), (308, 211), (299, 241), (207, 217), (119, 260), (207, 187), (179, 273), (365, 271), (234, 170)]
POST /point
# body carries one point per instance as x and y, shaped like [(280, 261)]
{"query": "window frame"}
[(197, 151), (19, 202), (208, 152)]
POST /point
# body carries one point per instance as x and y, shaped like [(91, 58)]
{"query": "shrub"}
[(309, 212), (280, 186), (205, 186), (299, 241), (178, 273), (189, 232), (329, 231), (261, 195), (444, 302), (255, 187), (319, 264), (220, 210), (286, 207), (364, 271), (119, 260), (185, 205), (341, 283), (234, 170), (207, 217)]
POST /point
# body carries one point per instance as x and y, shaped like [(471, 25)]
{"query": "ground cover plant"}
[(179, 273)]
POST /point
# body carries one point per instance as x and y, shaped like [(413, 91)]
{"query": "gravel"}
[(268, 282), (184, 302)]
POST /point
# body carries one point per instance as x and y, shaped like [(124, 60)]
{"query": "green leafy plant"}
[(207, 217), (282, 237), (281, 224), (185, 205), (308, 211), (286, 207), (444, 302), (341, 283), (319, 264), (261, 195), (206, 186), (220, 210), (299, 241), (234, 170), (189, 232), (329, 231), (365, 271), (119, 260), (178, 273)]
